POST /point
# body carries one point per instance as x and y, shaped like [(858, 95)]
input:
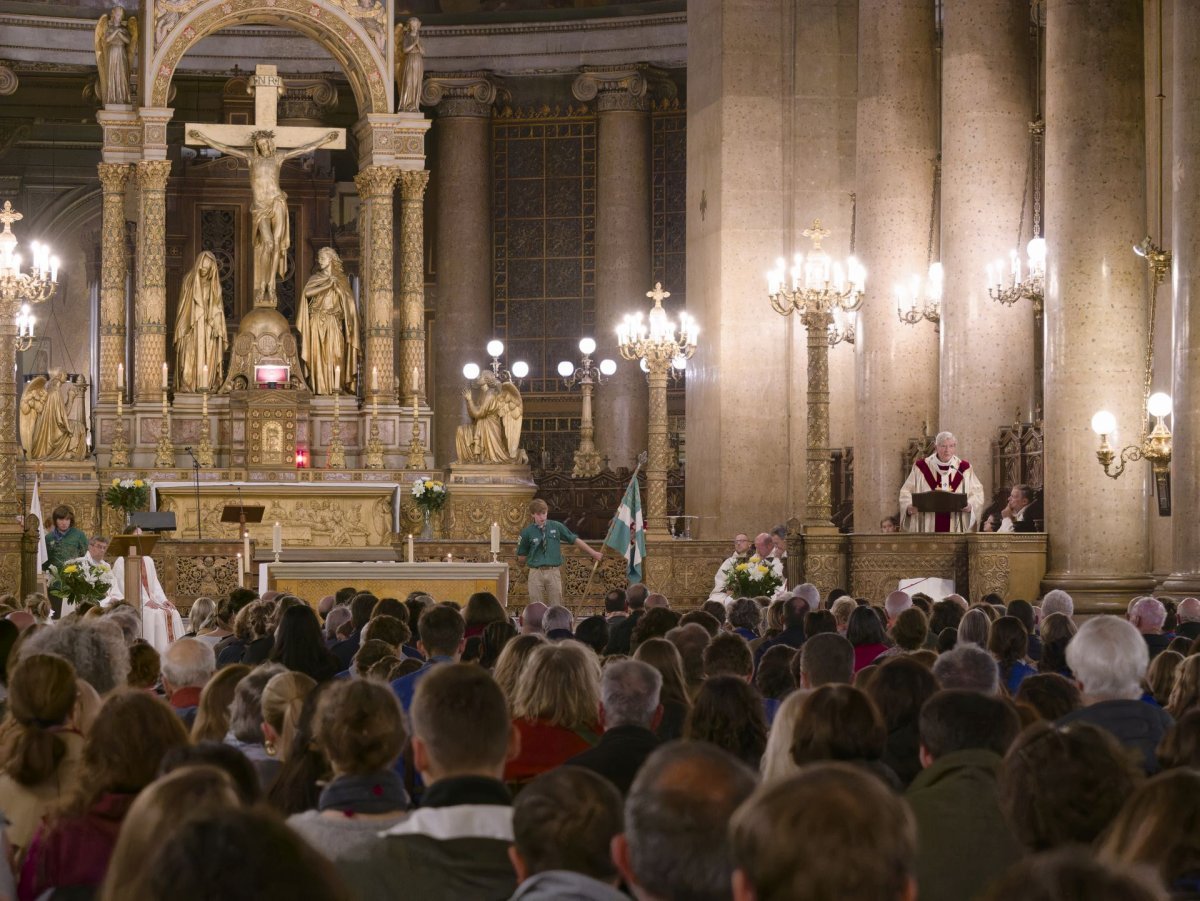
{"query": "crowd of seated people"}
[(803, 747)]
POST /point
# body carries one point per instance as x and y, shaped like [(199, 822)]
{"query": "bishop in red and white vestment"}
[(952, 474)]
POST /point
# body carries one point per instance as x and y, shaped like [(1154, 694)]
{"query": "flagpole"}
[(612, 522)]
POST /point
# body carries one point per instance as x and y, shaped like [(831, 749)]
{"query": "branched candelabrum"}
[(587, 375)]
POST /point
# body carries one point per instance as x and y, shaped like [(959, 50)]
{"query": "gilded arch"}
[(367, 66)]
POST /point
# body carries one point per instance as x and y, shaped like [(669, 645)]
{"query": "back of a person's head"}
[(777, 757), (1008, 641), (245, 713), (511, 663), (899, 687), (896, 603), (690, 639), (1180, 747), (665, 657), (655, 622), (386, 628), (974, 627), (1158, 827), (968, 667), (790, 840), (41, 698), (460, 715), (1022, 610), (676, 821), (156, 814), (359, 726), (1051, 695), (1057, 601), (338, 620), (216, 701), (702, 618), (1059, 786), (441, 630), (728, 655), (99, 655), (953, 721), (237, 855), (560, 685), (910, 629), (838, 722), (945, 615), (592, 632), (226, 758), (716, 609), (1072, 874), (557, 617), (188, 662), (282, 700), (826, 659), (635, 595), (393, 607), (728, 712), (565, 819), (1108, 657), (361, 606), (629, 691), (533, 617), (819, 622), (482, 608), (614, 600), (864, 627)]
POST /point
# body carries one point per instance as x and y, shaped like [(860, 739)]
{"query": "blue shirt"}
[(406, 686)]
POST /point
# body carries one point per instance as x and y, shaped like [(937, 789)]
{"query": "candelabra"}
[(819, 287), (1028, 283), (337, 450), (374, 444), (587, 376), (416, 450), (120, 445), (164, 452), (656, 344), (495, 349), (916, 301), (204, 451), (25, 324)]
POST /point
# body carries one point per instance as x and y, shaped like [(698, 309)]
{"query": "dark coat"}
[(618, 755)]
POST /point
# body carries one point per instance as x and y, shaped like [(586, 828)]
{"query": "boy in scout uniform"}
[(540, 545)]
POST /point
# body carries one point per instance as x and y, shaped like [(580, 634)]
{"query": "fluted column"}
[(150, 309), (463, 195), (1185, 245), (897, 364), (987, 104), (1095, 295), (375, 187), (622, 245), (412, 282), (113, 179)]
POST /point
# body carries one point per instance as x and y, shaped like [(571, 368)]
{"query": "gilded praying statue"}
[(53, 421), (269, 209), (200, 335), (494, 435), (328, 324)]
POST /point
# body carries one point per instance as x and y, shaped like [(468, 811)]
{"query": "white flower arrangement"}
[(429, 494)]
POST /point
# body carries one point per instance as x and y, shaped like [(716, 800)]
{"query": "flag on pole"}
[(627, 536), (35, 508)]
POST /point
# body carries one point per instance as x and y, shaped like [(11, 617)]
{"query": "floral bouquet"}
[(752, 579), (81, 582), (429, 494), (127, 495)]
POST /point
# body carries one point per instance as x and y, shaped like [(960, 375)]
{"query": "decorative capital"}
[(114, 177), (413, 183), (622, 87), (152, 175), (461, 94), (8, 81), (376, 181)]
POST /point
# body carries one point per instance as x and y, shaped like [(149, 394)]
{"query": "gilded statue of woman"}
[(412, 67), (115, 43), (494, 435), (328, 326), (48, 432), (200, 336)]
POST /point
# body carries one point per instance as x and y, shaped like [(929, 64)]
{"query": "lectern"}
[(133, 548), (949, 502)]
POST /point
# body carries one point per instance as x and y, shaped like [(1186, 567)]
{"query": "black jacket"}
[(618, 755)]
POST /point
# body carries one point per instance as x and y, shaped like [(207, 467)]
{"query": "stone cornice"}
[(461, 93)]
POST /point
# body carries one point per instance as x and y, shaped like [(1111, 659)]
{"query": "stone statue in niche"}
[(115, 42), (494, 434), (411, 68), (200, 335), (53, 420), (328, 324)]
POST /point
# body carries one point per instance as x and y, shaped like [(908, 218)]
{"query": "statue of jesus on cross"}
[(260, 147)]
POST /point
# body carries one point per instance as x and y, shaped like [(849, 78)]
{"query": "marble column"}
[(987, 359), (113, 179), (463, 243), (412, 283), (1185, 244), (897, 364), (623, 268), (1096, 296), (375, 187), (150, 307)]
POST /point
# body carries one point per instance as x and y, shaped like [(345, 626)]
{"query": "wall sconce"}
[(1154, 447)]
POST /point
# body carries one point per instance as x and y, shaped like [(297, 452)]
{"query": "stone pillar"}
[(897, 363), (463, 245), (113, 179), (150, 307), (375, 187), (623, 266), (412, 282), (1185, 245), (987, 361), (1095, 297)]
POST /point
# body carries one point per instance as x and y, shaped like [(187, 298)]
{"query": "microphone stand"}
[(196, 479)]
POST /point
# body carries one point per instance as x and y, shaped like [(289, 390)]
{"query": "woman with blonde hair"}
[(511, 663), (360, 728), (557, 708), (1185, 695), (1160, 677), (212, 716), (974, 628), (39, 747), (1157, 828), (777, 762), (664, 656), (156, 815), (202, 617), (282, 700)]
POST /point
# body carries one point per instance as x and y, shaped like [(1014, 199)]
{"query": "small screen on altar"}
[(271, 374)]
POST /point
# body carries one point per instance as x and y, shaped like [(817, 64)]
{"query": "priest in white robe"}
[(161, 622), (941, 471), (97, 547)]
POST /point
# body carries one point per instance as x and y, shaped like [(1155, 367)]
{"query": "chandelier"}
[(824, 293)]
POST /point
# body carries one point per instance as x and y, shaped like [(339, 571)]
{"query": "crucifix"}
[(266, 146)]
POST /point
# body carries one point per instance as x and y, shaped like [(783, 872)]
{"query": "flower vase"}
[(427, 526)]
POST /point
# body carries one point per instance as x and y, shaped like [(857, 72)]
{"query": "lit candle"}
[(164, 379), (337, 376), (246, 549), (495, 538), (276, 539), (204, 376), (416, 379), (120, 375), (375, 379), (449, 558), (241, 577), (410, 548)]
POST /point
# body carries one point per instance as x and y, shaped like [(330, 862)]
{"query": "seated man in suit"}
[(1020, 513)]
